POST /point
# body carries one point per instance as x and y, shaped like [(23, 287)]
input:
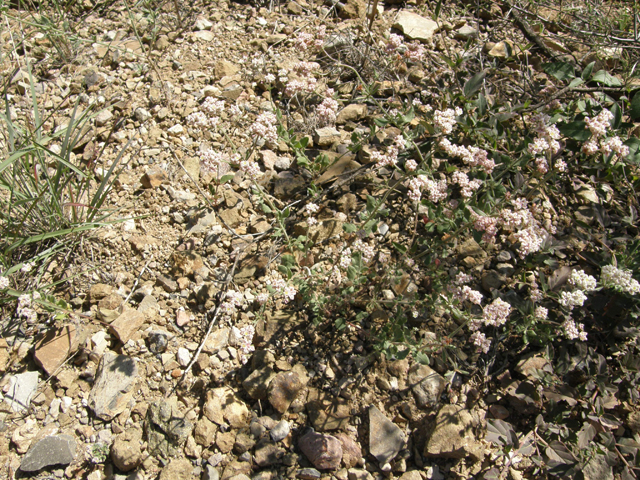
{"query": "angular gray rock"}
[(385, 437), (414, 26), (114, 384), (426, 384), (280, 431), (166, 427), (21, 389), (322, 450), (51, 450)]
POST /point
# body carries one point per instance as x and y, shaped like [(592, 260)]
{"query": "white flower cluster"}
[(345, 258), (216, 163), (280, 287), (394, 42), (24, 308), (305, 41), (212, 106), (496, 313), (444, 120), (365, 249), (572, 299), (472, 156), (486, 224), (311, 209), (265, 127), (546, 142), (598, 127), (481, 341), (233, 300), (250, 168), (4, 283), (327, 110), (245, 336), (467, 293), (437, 189), (573, 331), (306, 83), (541, 313), (619, 280), (410, 165), (581, 280), (391, 157), (467, 186)]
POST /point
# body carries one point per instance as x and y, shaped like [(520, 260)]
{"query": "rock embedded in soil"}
[(125, 451), (323, 451), (51, 450), (414, 26), (351, 451), (283, 390), (166, 427), (257, 383), (177, 469), (127, 324), (452, 435), (267, 454), (24, 435), (53, 348), (20, 390), (205, 432), (385, 437), (426, 384), (351, 113), (113, 388), (280, 431)]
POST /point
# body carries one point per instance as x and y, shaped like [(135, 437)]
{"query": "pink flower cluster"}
[(304, 41), (245, 336), (233, 300), (365, 249), (598, 127), (213, 162), (467, 186), (250, 168), (481, 341), (413, 52), (306, 83), (472, 156), (212, 106), (25, 310), (391, 157), (394, 42), (280, 287), (437, 189), (328, 109), (444, 120), (265, 127)]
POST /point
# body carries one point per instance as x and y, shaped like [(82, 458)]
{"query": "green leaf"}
[(576, 130), (474, 84), (265, 208), (349, 228), (606, 79), (436, 12), (560, 70), (304, 141), (226, 178), (351, 273), (400, 248), (576, 82), (481, 103), (635, 106), (588, 70), (617, 116), (288, 260)]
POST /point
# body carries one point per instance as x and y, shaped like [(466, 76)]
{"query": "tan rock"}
[(127, 324), (53, 348), (154, 177), (224, 68), (351, 113)]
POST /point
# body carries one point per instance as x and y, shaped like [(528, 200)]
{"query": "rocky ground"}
[(132, 385)]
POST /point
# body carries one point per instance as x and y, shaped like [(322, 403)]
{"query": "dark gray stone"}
[(51, 450)]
